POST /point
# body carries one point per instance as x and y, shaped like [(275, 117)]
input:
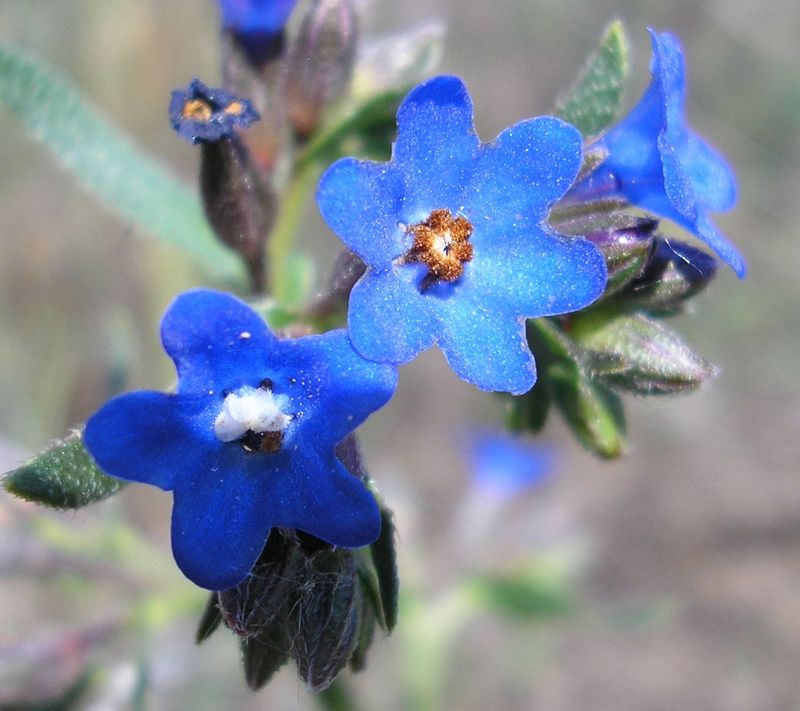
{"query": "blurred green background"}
[(689, 546)]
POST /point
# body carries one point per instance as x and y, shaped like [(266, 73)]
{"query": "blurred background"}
[(685, 553)]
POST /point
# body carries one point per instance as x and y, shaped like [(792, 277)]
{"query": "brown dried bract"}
[(442, 243)]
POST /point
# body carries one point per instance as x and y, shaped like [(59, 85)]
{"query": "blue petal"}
[(720, 244), (522, 173), (709, 174), (336, 388), (151, 437), (316, 494), (486, 346), (361, 202), (216, 341), (221, 519), (436, 146), (389, 321), (223, 513), (538, 273)]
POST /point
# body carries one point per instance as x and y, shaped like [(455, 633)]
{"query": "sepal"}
[(635, 354)]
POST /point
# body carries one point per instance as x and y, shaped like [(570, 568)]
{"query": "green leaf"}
[(593, 412), (108, 163), (528, 412), (384, 558), (209, 620), (64, 476), (594, 101)]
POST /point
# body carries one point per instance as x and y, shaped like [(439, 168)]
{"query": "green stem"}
[(284, 234), (431, 633)]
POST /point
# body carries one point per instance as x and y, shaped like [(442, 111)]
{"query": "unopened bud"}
[(321, 61), (675, 272), (626, 250), (326, 617), (239, 205), (265, 596)]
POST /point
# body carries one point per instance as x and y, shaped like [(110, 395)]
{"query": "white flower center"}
[(250, 409)]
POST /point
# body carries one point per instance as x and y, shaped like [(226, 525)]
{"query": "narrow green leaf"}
[(108, 163), (528, 412), (64, 476), (384, 557), (594, 413), (209, 620), (594, 101)]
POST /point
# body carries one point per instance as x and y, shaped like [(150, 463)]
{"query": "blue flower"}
[(256, 16), (203, 115), (504, 465), (657, 163), (454, 238), (247, 441)]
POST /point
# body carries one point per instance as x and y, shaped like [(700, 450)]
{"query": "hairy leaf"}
[(594, 101), (107, 162), (64, 476)]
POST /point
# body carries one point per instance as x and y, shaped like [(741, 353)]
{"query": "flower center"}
[(254, 417), (197, 109), (441, 243)]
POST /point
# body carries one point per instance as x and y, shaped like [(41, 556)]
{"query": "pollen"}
[(441, 242), (235, 108), (197, 110), (254, 417)]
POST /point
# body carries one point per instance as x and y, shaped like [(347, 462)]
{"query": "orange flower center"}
[(441, 243)]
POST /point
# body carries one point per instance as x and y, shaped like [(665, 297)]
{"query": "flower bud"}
[(626, 250), (321, 61), (326, 619), (266, 595), (238, 203), (675, 272)]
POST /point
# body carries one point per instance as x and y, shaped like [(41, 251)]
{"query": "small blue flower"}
[(203, 115), (454, 238), (247, 441), (657, 163), (256, 16), (505, 465)]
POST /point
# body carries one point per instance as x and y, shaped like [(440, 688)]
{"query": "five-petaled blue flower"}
[(256, 16), (657, 163), (504, 465), (201, 114), (247, 441), (454, 237)]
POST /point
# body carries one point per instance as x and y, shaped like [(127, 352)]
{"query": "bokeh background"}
[(686, 551)]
